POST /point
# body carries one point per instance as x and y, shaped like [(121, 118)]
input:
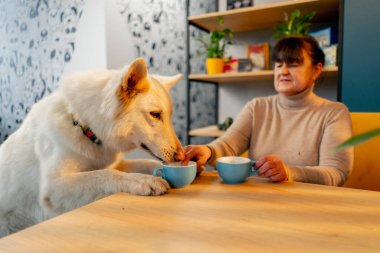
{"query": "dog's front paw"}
[(149, 185)]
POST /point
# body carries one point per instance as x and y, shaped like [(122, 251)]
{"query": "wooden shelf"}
[(266, 16), (209, 131), (250, 76), (257, 18)]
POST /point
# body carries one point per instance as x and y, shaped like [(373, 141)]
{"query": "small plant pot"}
[(214, 65)]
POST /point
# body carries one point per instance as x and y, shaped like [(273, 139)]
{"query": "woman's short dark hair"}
[(289, 50)]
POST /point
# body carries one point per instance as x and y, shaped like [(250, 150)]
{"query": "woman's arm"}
[(237, 138), (334, 167)]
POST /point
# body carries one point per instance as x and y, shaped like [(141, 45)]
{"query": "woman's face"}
[(291, 79)]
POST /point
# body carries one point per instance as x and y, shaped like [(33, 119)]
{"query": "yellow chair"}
[(366, 172)]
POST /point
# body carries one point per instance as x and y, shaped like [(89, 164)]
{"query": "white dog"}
[(67, 153)]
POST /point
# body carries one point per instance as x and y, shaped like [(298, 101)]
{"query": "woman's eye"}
[(156, 115)]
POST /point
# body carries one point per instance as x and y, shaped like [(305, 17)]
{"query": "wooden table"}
[(209, 216)]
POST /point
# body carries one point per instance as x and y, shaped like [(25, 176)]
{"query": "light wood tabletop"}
[(209, 216)]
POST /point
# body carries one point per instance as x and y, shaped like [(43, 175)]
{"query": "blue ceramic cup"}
[(235, 169), (177, 175)]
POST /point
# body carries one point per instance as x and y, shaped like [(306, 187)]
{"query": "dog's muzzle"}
[(145, 147)]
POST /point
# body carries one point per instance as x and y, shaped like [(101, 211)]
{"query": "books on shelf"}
[(328, 71), (330, 55), (208, 131), (259, 55), (230, 65), (236, 4), (237, 65), (245, 65), (327, 39)]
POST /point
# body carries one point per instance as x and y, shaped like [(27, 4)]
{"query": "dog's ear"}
[(134, 80), (168, 81)]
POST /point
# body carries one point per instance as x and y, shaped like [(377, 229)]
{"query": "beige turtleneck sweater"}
[(302, 130)]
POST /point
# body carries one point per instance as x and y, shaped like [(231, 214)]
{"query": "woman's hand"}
[(198, 153), (272, 166)]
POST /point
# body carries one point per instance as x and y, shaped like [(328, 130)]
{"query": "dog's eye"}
[(156, 115)]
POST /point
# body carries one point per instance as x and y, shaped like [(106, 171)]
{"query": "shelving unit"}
[(251, 19), (266, 16), (209, 131), (331, 71)]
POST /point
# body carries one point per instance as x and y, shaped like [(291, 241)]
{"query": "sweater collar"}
[(300, 100)]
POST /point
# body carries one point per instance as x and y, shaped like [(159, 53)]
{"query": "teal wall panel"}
[(360, 65)]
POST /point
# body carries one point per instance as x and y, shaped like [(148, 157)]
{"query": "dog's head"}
[(143, 113)]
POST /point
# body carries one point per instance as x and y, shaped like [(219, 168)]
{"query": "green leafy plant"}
[(216, 43), (357, 139), (295, 25), (226, 123)]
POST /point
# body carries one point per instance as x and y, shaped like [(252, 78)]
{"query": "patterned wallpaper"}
[(159, 35), (158, 30), (202, 95), (37, 39)]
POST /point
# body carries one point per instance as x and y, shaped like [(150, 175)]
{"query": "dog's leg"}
[(145, 166), (73, 190)]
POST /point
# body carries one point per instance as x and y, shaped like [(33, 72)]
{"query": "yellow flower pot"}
[(214, 65)]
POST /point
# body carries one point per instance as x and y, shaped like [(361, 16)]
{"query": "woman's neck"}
[(299, 100)]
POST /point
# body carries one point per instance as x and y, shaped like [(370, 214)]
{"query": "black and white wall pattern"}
[(37, 39), (158, 30), (202, 96), (159, 35)]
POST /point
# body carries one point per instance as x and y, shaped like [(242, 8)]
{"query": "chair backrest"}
[(366, 172)]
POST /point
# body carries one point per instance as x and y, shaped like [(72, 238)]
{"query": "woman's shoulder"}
[(262, 104), (333, 105), (333, 109), (262, 101)]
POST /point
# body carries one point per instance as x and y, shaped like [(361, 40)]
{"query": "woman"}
[(291, 135)]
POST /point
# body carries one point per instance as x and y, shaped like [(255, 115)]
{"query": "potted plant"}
[(295, 25), (214, 46)]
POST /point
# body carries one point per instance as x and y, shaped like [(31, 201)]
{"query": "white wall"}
[(118, 37), (90, 42), (102, 42), (103, 39), (119, 50), (222, 4)]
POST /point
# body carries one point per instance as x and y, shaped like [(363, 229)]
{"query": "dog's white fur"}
[(48, 166)]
